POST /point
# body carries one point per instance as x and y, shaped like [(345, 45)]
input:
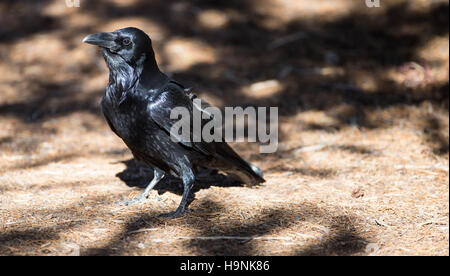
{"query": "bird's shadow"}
[(138, 175)]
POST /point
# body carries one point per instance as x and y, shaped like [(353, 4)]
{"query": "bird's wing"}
[(172, 96), (160, 108)]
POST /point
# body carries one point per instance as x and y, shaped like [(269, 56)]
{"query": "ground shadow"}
[(433, 130), (21, 24), (343, 239), (30, 238)]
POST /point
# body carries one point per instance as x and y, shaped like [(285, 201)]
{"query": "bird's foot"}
[(128, 202), (175, 214)]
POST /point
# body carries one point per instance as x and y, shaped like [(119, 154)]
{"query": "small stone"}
[(358, 192), (372, 248), (72, 249)]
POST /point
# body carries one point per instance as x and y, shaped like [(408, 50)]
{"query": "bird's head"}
[(125, 46)]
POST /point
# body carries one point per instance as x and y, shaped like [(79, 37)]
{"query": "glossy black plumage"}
[(137, 105)]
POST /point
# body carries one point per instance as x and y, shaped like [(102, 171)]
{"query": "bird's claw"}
[(175, 214), (134, 201)]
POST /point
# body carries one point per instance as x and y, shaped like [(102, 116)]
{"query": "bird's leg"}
[(157, 176), (188, 182)]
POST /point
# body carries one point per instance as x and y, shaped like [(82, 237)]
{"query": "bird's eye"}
[(126, 41)]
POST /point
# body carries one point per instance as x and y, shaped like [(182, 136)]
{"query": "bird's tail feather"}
[(236, 167), (251, 176), (256, 170)]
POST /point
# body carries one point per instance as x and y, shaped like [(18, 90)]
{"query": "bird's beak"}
[(105, 40)]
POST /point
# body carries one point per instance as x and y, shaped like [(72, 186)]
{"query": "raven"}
[(137, 106)]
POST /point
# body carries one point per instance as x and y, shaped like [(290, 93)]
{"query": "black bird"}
[(137, 106)]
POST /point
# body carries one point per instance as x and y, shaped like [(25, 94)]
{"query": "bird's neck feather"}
[(124, 78)]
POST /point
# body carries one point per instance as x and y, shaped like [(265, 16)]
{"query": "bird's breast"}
[(129, 119)]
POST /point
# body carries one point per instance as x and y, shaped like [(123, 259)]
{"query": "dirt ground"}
[(363, 161)]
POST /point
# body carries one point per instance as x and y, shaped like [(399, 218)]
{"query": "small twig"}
[(381, 223), (431, 222), (233, 238), (435, 167), (311, 148), (143, 230), (286, 40)]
